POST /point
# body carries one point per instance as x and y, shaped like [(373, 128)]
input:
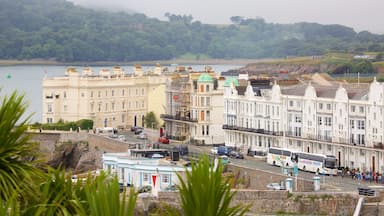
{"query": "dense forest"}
[(59, 30)]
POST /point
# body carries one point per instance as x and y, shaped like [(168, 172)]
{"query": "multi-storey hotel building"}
[(110, 98), (194, 107), (344, 120)]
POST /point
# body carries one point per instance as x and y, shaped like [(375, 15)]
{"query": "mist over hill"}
[(60, 30)]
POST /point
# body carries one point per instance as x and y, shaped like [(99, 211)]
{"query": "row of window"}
[(256, 108), (164, 178), (113, 106), (201, 101), (113, 93), (360, 124), (99, 106), (327, 106)]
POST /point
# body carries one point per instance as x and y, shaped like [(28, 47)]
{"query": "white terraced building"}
[(344, 120)]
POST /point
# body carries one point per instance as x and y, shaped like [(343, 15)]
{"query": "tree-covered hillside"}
[(59, 30)]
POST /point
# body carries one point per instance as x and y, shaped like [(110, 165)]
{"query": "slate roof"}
[(354, 92)]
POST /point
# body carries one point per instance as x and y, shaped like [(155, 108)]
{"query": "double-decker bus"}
[(319, 163)]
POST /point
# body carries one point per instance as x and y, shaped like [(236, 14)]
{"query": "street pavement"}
[(332, 183)]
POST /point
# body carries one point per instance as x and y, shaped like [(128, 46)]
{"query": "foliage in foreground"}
[(26, 190), (58, 195), (17, 154), (204, 191)]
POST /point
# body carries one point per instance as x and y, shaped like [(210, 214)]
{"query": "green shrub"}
[(83, 124)]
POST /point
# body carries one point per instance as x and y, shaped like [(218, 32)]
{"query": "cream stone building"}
[(111, 98), (194, 107), (343, 120)]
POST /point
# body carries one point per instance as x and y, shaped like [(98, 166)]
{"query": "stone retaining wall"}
[(258, 179), (274, 202)]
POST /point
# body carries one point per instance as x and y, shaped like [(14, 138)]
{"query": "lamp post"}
[(145, 197)]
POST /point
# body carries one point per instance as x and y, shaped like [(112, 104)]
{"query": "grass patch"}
[(355, 79)]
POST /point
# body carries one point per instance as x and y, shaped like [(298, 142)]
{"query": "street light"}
[(146, 198)]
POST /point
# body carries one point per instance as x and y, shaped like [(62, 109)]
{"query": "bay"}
[(27, 79)]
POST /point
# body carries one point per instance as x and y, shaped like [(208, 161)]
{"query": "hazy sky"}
[(358, 14)]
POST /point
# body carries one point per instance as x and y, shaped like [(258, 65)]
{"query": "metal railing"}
[(359, 206), (177, 117), (253, 130)]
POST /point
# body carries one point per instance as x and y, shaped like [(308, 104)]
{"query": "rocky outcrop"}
[(76, 157), (71, 151)]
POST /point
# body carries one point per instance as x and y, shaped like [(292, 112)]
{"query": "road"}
[(334, 183)]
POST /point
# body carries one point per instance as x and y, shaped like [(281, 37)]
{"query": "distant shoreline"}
[(181, 62)]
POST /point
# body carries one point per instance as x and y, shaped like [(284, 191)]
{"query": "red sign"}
[(154, 180), (175, 97)]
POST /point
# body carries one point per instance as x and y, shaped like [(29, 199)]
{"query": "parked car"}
[(214, 150), (224, 159), (122, 138), (113, 136), (142, 136), (171, 188), (145, 189), (236, 154), (274, 186), (134, 128), (164, 140), (224, 150), (138, 131)]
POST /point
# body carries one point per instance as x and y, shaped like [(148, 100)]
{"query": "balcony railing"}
[(378, 145), (293, 134), (253, 130), (177, 117)]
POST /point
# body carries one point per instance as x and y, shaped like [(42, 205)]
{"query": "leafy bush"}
[(83, 124)]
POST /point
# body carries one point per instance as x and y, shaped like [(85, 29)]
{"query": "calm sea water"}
[(27, 79)]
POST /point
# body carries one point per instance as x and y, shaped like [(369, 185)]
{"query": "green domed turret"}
[(205, 78), (230, 80)]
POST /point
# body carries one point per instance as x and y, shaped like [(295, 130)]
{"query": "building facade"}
[(139, 171), (343, 120), (194, 107), (110, 98)]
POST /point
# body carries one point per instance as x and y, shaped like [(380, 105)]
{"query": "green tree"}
[(204, 191), (363, 66), (17, 153), (150, 120), (379, 57)]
